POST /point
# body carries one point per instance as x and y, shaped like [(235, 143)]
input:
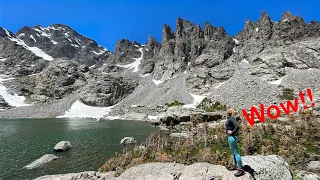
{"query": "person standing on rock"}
[(232, 128)]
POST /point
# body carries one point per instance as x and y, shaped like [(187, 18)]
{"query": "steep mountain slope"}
[(61, 41)]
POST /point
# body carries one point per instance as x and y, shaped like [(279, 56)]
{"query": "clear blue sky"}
[(108, 21)]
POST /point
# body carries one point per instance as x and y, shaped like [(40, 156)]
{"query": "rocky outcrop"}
[(42, 161), (3, 104), (60, 78), (107, 90), (63, 146), (175, 115), (128, 140), (256, 167)]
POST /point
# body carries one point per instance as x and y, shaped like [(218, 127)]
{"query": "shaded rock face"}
[(15, 59), (181, 49), (3, 104), (60, 78), (61, 41), (107, 90), (62, 146), (124, 52), (42, 161)]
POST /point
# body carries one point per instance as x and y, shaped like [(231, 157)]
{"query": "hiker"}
[(232, 128)]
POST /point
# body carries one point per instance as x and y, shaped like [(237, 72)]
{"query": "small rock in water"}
[(41, 161), (62, 146), (128, 140)]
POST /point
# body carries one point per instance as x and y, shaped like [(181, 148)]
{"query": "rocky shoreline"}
[(256, 167)]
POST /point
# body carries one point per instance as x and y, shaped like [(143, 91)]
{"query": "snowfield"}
[(80, 110), (11, 99)]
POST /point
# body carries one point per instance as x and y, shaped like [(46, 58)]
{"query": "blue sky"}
[(108, 21)]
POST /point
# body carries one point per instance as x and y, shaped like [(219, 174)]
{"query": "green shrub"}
[(287, 94), (208, 106), (175, 103)]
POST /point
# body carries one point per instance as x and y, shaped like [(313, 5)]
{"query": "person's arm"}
[(236, 125)]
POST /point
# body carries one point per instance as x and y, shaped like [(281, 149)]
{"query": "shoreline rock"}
[(62, 146), (42, 161), (128, 140)]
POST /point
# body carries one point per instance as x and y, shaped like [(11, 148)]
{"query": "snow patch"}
[(80, 110), (277, 82), (196, 100), (33, 38), (220, 85), (236, 41), (98, 53), (157, 82), (7, 32), (40, 53), (135, 64), (145, 75), (257, 29), (74, 45), (12, 100), (22, 34), (152, 117), (42, 33), (136, 46), (53, 42), (35, 50), (245, 61), (234, 50), (134, 106), (3, 59)]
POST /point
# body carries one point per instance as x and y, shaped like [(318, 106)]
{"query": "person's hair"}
[(231, 112)]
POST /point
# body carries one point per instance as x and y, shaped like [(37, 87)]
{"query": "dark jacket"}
[(231, 124)]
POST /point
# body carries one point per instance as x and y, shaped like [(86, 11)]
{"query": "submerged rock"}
[(62, 146), (41, 161), (128, 140)]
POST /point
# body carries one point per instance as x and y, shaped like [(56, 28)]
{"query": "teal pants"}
[(232, 140)]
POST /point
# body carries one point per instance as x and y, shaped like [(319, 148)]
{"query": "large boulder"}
[(62, 146), (257, 167), (128, 140), (42, 161)]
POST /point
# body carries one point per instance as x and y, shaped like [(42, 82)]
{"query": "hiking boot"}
[(232, 167), (240, 172)]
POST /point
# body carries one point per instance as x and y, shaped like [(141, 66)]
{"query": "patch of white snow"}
[(236, 41), (245, 61), (135, 64), (11, 99), (33, 38), (277, 82), (157, 82), (257, 29), (196, 100), (220, 85), (80, 110), (53, 42), (22, 34)]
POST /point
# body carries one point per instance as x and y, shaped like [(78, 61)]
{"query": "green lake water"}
[(24, 140)]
